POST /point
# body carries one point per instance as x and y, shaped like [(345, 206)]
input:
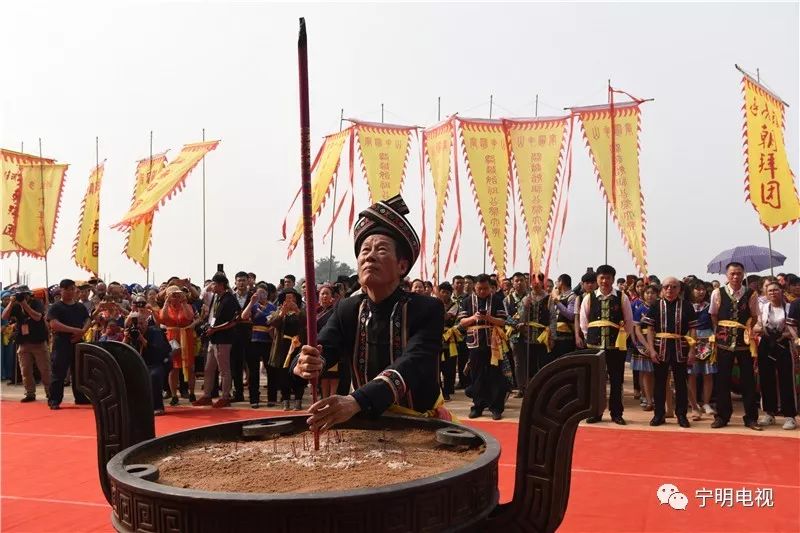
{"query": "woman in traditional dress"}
[(704, 365), (329, 380), (180, 320), (289, 322), (640, 355), (776, 332)]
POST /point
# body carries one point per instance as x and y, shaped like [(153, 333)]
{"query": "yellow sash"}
[(544, 336), (262, 329), (498, 341), (691, 341), (622, 336), (563, 327), (452, 336), (748, 338), (439, 411), (292, 347)]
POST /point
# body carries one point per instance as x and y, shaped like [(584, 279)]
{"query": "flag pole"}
[(308, 229), (22, 150), (769, 231), (44, 230), (613, 199), (438, 239), (204, 209), (485, 240), (333, 208), (97, 169), (149, 178)]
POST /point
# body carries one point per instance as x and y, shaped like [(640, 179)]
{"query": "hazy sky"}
[(73, 71)]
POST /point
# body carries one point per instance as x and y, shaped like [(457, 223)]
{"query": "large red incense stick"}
[(308, 228)]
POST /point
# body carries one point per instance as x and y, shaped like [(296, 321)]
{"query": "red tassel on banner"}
[(569, 181)]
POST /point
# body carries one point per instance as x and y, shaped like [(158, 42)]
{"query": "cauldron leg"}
[(559, 396), (117, 382)]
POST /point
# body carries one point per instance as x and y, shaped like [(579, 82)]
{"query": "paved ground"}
[(634, 415)]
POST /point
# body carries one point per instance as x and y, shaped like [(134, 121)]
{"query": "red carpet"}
[(49, 474)]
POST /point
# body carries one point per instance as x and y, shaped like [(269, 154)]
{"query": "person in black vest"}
[(537, 329), (391, 339), (563, 299), (607, 322), (483, 316), (241, 352), (670, 339), (221, 321), (733, 309), (520, 350), (31, 340)]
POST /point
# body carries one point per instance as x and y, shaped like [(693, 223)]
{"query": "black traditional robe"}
[(392, 349)]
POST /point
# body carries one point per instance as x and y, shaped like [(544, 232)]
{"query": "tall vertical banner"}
[(537, 147), (621, 186), (86, 248), (487, 158), (37, 215), (323, 171), (11, 173), (437, 144), (137, 244), (769, 182), (383, 149), (165, 184)]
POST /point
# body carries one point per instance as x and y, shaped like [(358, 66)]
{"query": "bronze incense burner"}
[(563, 393)]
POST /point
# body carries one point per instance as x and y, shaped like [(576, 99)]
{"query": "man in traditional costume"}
[(670, 339), (391, 339), (484, 317), (607, 322), (536, 325), (563, 300), (733, 310), (519, 354)]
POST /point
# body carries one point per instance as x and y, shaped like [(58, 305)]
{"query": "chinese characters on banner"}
[(39, 202), (137, 244), (384, 153), (769, 181), (165, 183), (628, 210), (324, 169), (86, 249), (536, 148), (438, 143), (11, 173), (486, 155)]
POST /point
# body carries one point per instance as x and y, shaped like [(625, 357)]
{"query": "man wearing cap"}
[(69, 320), (221, 321), (607, 322), (31, 341), (390, 339)]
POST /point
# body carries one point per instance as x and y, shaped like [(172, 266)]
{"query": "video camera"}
[(22, 293)]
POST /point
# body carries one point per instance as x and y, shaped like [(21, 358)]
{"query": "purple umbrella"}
[(754, 259)]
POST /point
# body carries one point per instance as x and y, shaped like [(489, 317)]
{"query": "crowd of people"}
[(688, 341)]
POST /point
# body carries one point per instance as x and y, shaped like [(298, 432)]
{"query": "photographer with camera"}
[(28, 312), (150, 341)]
